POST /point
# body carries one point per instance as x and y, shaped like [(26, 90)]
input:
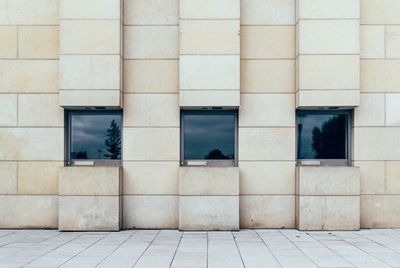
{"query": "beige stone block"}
[(89, 213), (39, 110), (329, 37), (28, 211), (90, 98), (38, 178), (380, 12), (151, 42), (372, 41), (329, 213), (267, 76), (31, 76), (209, 9), (260, 144), (31, 144), (38, 42), (392, 41), (372, 176), (151, 76), (392, 177), (208, 181), (329, 9), (268, 12), (8, 178), (256, 110), (75, 181), (9, 46), (380, 76), (153, 12), (209, 37), (269, 177), (209, 72), (104, 71), (151, 144), (213, 213), (150, 212), (319, 72), (151, 178), (90, 37), (157, 110), (327, 180), (84, 9), (371, 111), (328, 98), (267, 211), (29, 12), (380, 211), (209, 98), (392, 109), (8, 104), (268, 42)]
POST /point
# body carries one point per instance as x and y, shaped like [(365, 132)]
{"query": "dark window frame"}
[(210, 162), (68, 134), (348, 138)]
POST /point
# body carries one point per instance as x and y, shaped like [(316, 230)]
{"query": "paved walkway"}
[(169, 248)]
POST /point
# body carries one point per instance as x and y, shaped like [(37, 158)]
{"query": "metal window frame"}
[(68, 134), (205, 162), (348, 139)]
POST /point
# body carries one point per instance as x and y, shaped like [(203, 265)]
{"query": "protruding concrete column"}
[(328, 53), (209, 53), (90, 53)]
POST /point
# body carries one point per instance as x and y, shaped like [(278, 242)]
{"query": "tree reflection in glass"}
[(95, 136)]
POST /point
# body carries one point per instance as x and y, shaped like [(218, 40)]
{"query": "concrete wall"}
[(149, 69)]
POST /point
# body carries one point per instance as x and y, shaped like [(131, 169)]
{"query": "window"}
[(208, 138), (323, 137), (94, 136)]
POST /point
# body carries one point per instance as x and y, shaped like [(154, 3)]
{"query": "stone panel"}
[(269, 177), (209, 9), (380, 211), (153, 12), (104, 72), (209, 72), (8, 104), (90, 37), (8, 178), (150, 211), (33, 76), (151, 178), (267, 211), (329, 9), (151, 76), (207, 37), (371, 111), (260, 144), (208, 181), (89, 213), (157, 110), (267, 110), (209, 98), (372, 41), (83, 9), (39, 110), (328, 98), (38, 178), (392, 109), (267, 76), (268, 42), (32, 144), (29, 12), (28, 211), (380, 12), (8, 50), (372, 176), (38, 42), (90, 98), (268, 12), (151, 144), (151, 42), (209, 213), (392, 177), (380, 75)]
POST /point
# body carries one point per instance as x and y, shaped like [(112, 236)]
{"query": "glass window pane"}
[(209, 136), (322, 136), (95, 136)]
